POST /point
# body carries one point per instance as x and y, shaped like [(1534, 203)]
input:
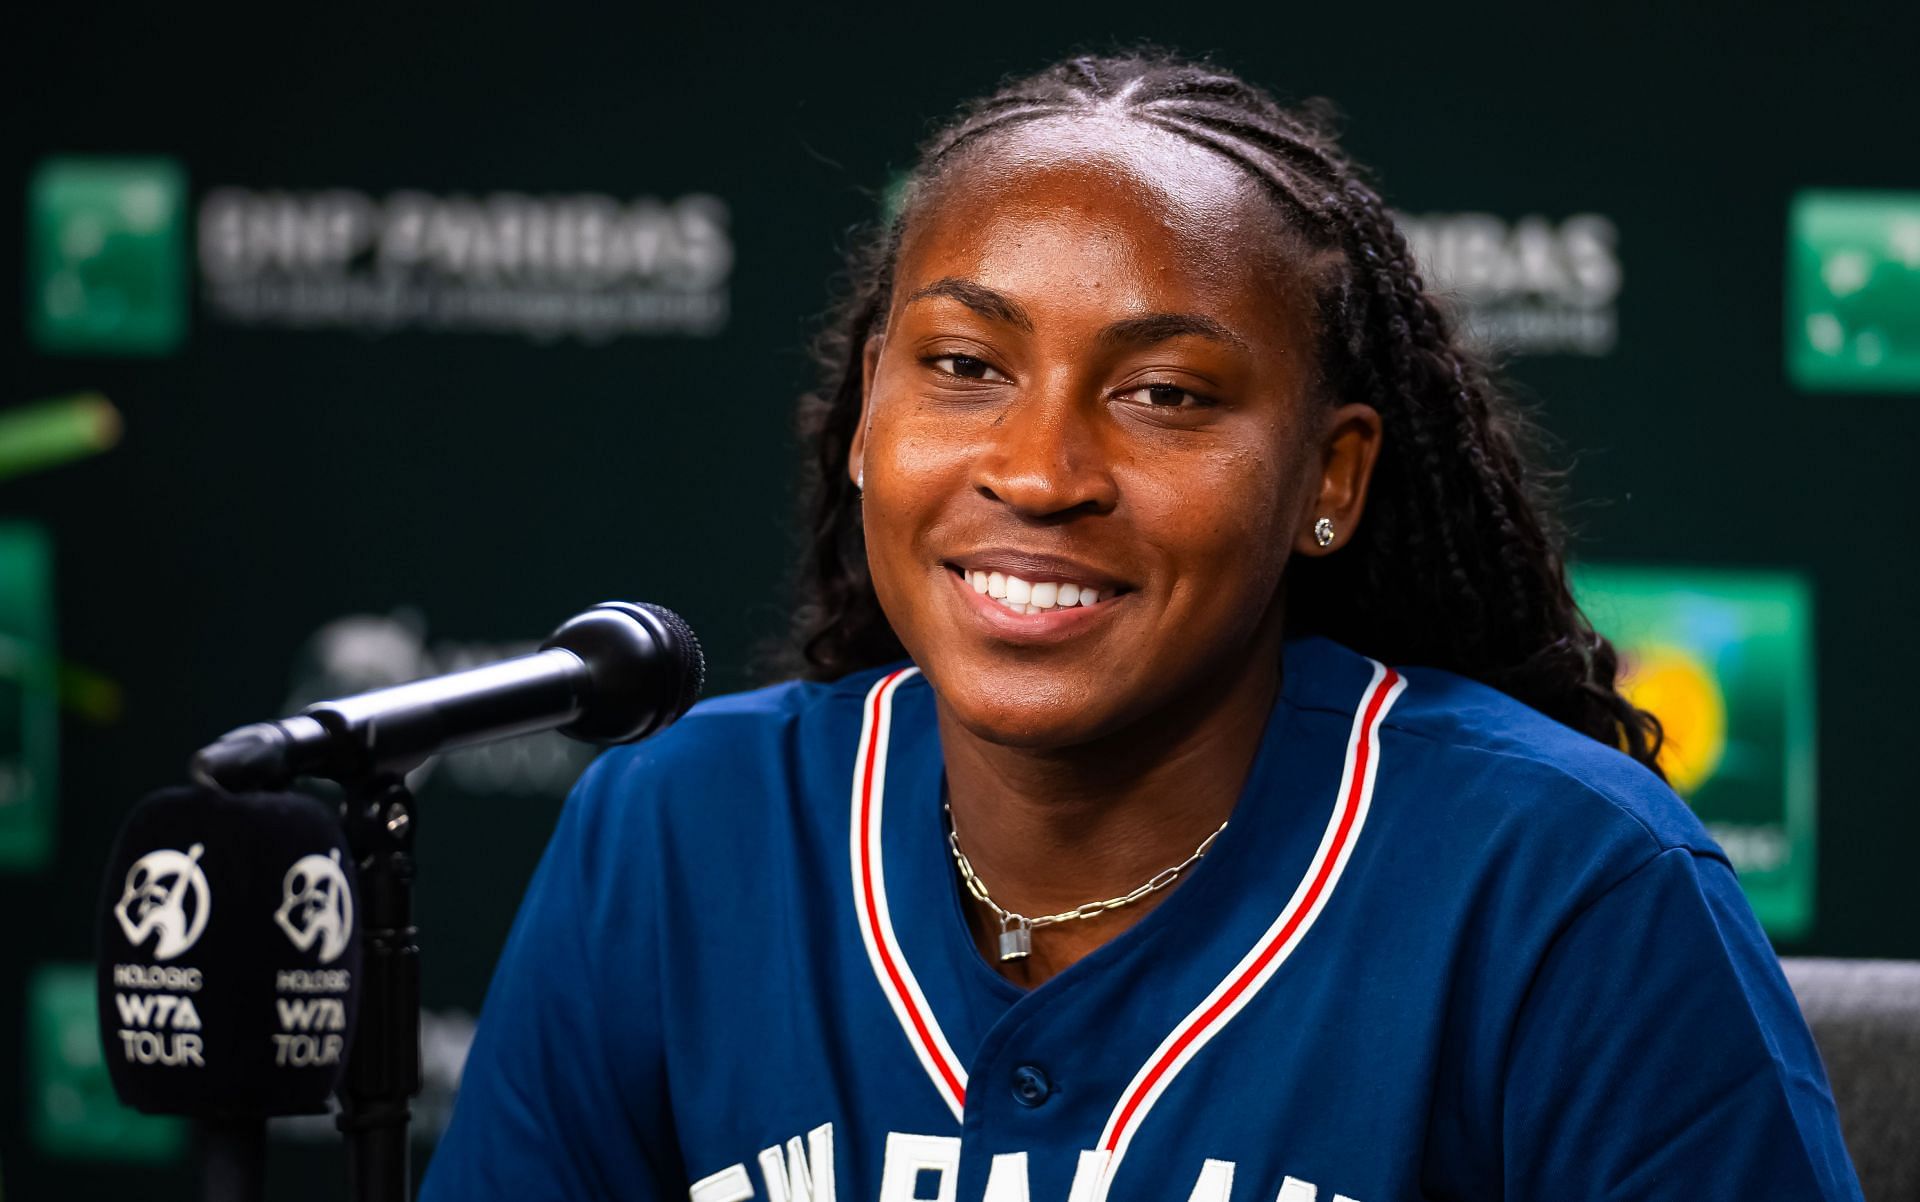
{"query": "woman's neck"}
[(1049, 830)]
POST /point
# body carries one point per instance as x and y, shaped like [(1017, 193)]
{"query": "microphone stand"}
[(383, 1067)]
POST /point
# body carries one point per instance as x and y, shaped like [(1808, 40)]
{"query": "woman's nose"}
[(1045, 457)]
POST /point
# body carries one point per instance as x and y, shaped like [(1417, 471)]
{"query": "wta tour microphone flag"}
[(228, 954)]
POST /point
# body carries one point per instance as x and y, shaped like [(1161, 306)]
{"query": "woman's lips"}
[(1031, 624)]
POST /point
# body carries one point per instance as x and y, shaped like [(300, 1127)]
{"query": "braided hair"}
[(1458, 563)]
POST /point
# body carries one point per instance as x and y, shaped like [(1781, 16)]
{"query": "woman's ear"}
[(869, 364), (1349, 448)]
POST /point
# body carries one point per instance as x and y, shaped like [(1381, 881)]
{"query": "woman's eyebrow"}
[(1134, 331), (983, 300), (1158, 327)]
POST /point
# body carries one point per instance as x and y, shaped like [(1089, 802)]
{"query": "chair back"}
[(1865, 1015)]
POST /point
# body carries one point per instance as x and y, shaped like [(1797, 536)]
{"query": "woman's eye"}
[(1164, 396), (966, 367)]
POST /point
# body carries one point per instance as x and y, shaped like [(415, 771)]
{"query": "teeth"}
[(1024, 597)]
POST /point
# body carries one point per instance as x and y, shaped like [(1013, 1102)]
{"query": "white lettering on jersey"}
[(1091, 1177), (730, 1184), (1215, 1183), (803, 1174), (804, 1171), (1295, 1190), (1007, 1178), (910, 1155)]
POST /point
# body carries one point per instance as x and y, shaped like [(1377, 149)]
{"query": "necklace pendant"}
[(1016, 938)]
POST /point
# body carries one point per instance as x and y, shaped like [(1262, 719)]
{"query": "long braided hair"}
[(1458, 563)]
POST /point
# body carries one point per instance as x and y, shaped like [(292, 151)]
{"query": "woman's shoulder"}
[(730, 755), (1503, 763)]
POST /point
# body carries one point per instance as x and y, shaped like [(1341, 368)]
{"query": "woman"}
[(1210, 787)]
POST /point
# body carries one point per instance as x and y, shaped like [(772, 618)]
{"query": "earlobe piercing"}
[(1323, 532), (860, 480)]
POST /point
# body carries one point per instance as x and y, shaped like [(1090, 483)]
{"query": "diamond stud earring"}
[(1323, 532)]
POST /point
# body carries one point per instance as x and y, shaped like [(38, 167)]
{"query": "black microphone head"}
[(645, 665), (228, 954)]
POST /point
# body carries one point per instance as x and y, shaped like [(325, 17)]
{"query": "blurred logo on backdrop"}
[(1725, 661), (106, 256), (71, 1107), (108, 268), (591, 267), (1853, 291), (369, 651), (1528, 286), (29, 698)]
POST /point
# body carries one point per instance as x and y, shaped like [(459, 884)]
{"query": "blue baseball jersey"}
[(1445, 948)]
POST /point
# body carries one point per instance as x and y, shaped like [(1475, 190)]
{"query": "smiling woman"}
[(1206, 781)]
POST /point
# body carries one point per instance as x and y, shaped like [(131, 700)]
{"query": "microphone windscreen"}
[(690, 661), (228, 954)]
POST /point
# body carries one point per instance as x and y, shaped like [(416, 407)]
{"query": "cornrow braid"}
[(1458, 563)]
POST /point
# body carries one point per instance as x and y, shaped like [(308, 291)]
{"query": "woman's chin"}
[(1008, 712)]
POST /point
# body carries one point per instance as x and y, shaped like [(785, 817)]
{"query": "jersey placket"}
[(1078, 1066)]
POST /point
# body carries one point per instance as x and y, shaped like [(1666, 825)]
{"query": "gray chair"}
[(1865, 1016)]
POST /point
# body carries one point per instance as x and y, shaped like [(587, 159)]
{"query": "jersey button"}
[(1030, 1086)]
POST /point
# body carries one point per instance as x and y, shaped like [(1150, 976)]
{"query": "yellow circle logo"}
[(1672, 684)]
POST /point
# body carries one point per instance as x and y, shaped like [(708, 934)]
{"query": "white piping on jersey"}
[(870, 901), (1206, 1020)]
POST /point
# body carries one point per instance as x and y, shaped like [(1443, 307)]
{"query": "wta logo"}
[(316, 906), (166, 892)]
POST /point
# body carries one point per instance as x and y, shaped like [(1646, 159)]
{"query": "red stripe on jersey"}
[(1200, 1025)]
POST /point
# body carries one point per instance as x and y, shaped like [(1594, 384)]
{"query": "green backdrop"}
[(428, 328)]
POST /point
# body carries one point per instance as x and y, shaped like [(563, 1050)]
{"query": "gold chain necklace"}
[(1016, 930)]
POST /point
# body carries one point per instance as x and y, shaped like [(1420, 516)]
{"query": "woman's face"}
[(1094, 393)]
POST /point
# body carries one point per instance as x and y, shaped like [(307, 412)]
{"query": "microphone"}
[(228, 965), (617, 673)]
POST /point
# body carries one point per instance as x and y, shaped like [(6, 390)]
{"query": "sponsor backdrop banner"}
[(1725, 661), (374, 349)]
